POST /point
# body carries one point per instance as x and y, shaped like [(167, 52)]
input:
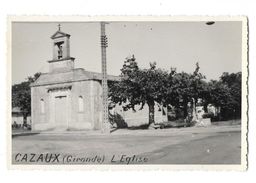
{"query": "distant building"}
[(18, 117), (69, 98)]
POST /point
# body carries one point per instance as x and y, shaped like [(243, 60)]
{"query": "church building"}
[(69, 98), (66, 98)]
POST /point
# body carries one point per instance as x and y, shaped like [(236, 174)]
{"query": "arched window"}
[(42, 106), (80, 104)]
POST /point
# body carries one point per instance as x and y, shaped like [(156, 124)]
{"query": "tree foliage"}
[(147, 86), (184, 87), (228, 95), (21, 95)]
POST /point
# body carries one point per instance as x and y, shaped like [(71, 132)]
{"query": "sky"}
[(217, 48)]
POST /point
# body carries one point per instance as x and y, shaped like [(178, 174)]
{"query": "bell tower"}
[(61, 60)]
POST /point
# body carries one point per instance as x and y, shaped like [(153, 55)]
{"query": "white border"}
[(244, 123)]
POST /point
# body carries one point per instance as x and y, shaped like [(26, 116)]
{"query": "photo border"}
[(244, 111)]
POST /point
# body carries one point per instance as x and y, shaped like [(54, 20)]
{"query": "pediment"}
[(59, 34)]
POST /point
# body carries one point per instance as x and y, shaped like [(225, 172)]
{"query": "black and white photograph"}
[(128, 91)]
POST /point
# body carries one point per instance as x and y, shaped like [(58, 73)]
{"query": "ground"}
[(192, 145)]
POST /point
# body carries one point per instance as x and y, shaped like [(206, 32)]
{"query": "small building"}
[(67, 97), (18, 117)]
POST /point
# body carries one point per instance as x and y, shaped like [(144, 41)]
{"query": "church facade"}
[(69, 98)]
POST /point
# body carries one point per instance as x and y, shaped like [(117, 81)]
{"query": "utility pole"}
[(105, 128)]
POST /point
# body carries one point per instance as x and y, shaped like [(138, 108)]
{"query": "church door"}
[(61, 112)]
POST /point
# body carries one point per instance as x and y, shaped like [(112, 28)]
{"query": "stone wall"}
[(40, 121), (139, 117), (86, 115), (89, 118)]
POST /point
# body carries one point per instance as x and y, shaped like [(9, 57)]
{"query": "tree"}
[(21, 96), (139, 87), (181, 91), (184, 87), (233, 82), (226, 94), (219, 93)]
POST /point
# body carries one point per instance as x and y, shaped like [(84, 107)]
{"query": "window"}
[(80, 104), (42, 106)]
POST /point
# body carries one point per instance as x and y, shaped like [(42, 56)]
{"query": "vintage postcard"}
[(127, 92)]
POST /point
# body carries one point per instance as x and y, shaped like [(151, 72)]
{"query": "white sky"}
[(217, 48)]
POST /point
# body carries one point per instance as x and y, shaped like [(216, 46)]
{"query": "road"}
[(210, 145)]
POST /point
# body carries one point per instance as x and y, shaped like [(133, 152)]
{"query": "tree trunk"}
[(194, 110), (185, 109), (24, 119), (151, 107), (205, 108)]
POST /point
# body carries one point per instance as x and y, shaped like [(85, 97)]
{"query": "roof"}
[(59, 34), (16, 110), (74, 75)]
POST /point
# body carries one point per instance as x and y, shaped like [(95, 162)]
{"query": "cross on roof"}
[(59, 26)]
